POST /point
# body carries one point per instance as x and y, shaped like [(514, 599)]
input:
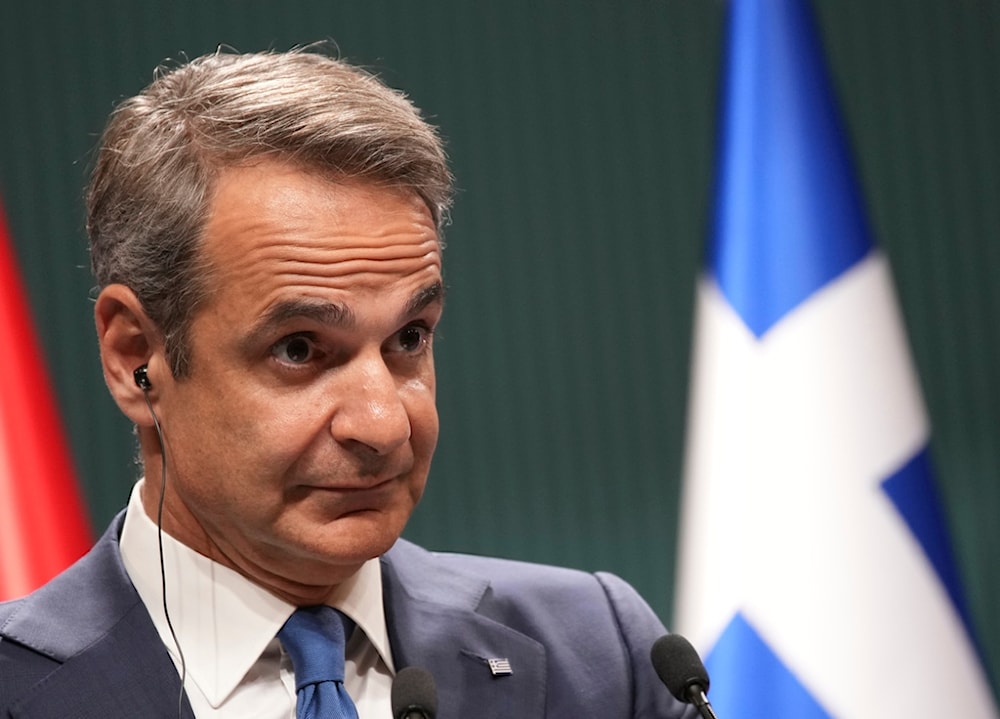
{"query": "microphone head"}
[(678, 665), (413, 694)]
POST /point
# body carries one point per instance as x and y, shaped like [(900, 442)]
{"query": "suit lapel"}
[(127, 673), (111, 660), (436, 622)]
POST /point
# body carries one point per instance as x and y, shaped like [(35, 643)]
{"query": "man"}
[(265, 237)]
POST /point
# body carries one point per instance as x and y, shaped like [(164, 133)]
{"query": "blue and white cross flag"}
[(815, 574)]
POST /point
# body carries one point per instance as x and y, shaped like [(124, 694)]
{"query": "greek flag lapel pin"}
[(500, 666)]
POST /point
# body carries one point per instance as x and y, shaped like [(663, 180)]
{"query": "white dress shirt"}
[(226, 626)]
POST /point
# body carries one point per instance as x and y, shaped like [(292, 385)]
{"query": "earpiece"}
[(142, 379)]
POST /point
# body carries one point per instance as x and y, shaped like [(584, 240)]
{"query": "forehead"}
[(274, 189), (275, 229)]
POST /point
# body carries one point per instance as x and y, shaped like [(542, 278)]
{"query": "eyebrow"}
[(423, 298), (333, 313)]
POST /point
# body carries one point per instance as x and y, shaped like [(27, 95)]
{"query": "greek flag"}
[(815, 574)]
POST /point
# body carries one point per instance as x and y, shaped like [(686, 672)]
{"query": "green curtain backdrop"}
[(581, 133)]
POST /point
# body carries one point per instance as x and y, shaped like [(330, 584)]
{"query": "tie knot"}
[(314, 638)]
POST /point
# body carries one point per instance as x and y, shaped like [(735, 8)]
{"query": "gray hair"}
[(162, 150)]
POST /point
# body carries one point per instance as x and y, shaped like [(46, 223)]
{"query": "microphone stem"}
[(699, 699)]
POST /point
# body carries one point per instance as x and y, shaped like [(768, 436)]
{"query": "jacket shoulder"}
[(515, 589), (594, 627)]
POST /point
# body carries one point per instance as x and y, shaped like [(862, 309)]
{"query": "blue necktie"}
[(314, 638)]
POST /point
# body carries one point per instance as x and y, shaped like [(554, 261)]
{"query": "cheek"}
[(236, 438)]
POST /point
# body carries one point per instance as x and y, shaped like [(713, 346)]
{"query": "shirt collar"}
[(223, 621)]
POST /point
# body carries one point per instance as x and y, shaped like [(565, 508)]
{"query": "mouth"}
[(328, 502), (353, 486), (351, 496)]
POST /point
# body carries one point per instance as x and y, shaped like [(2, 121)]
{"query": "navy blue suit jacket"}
[(84, 647)]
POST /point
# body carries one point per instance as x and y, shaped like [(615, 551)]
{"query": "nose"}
[(371, 413)]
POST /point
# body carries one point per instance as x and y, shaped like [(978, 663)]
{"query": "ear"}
[(128, 339)]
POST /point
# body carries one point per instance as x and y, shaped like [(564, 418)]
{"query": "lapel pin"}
[(500, 667)]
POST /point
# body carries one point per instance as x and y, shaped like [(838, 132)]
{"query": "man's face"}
[(300, 441)]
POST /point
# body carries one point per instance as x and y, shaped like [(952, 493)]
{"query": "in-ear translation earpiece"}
[(141, 378)]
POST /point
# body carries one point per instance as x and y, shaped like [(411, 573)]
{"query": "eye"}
[(412, 339), (294, 350)]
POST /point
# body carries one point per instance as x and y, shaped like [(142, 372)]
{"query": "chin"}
[(359, 537)]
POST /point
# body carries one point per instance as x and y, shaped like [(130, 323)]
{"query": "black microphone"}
[(413, 694), (679, 667)]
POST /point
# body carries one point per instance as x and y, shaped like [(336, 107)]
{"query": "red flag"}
[(43, 525)]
